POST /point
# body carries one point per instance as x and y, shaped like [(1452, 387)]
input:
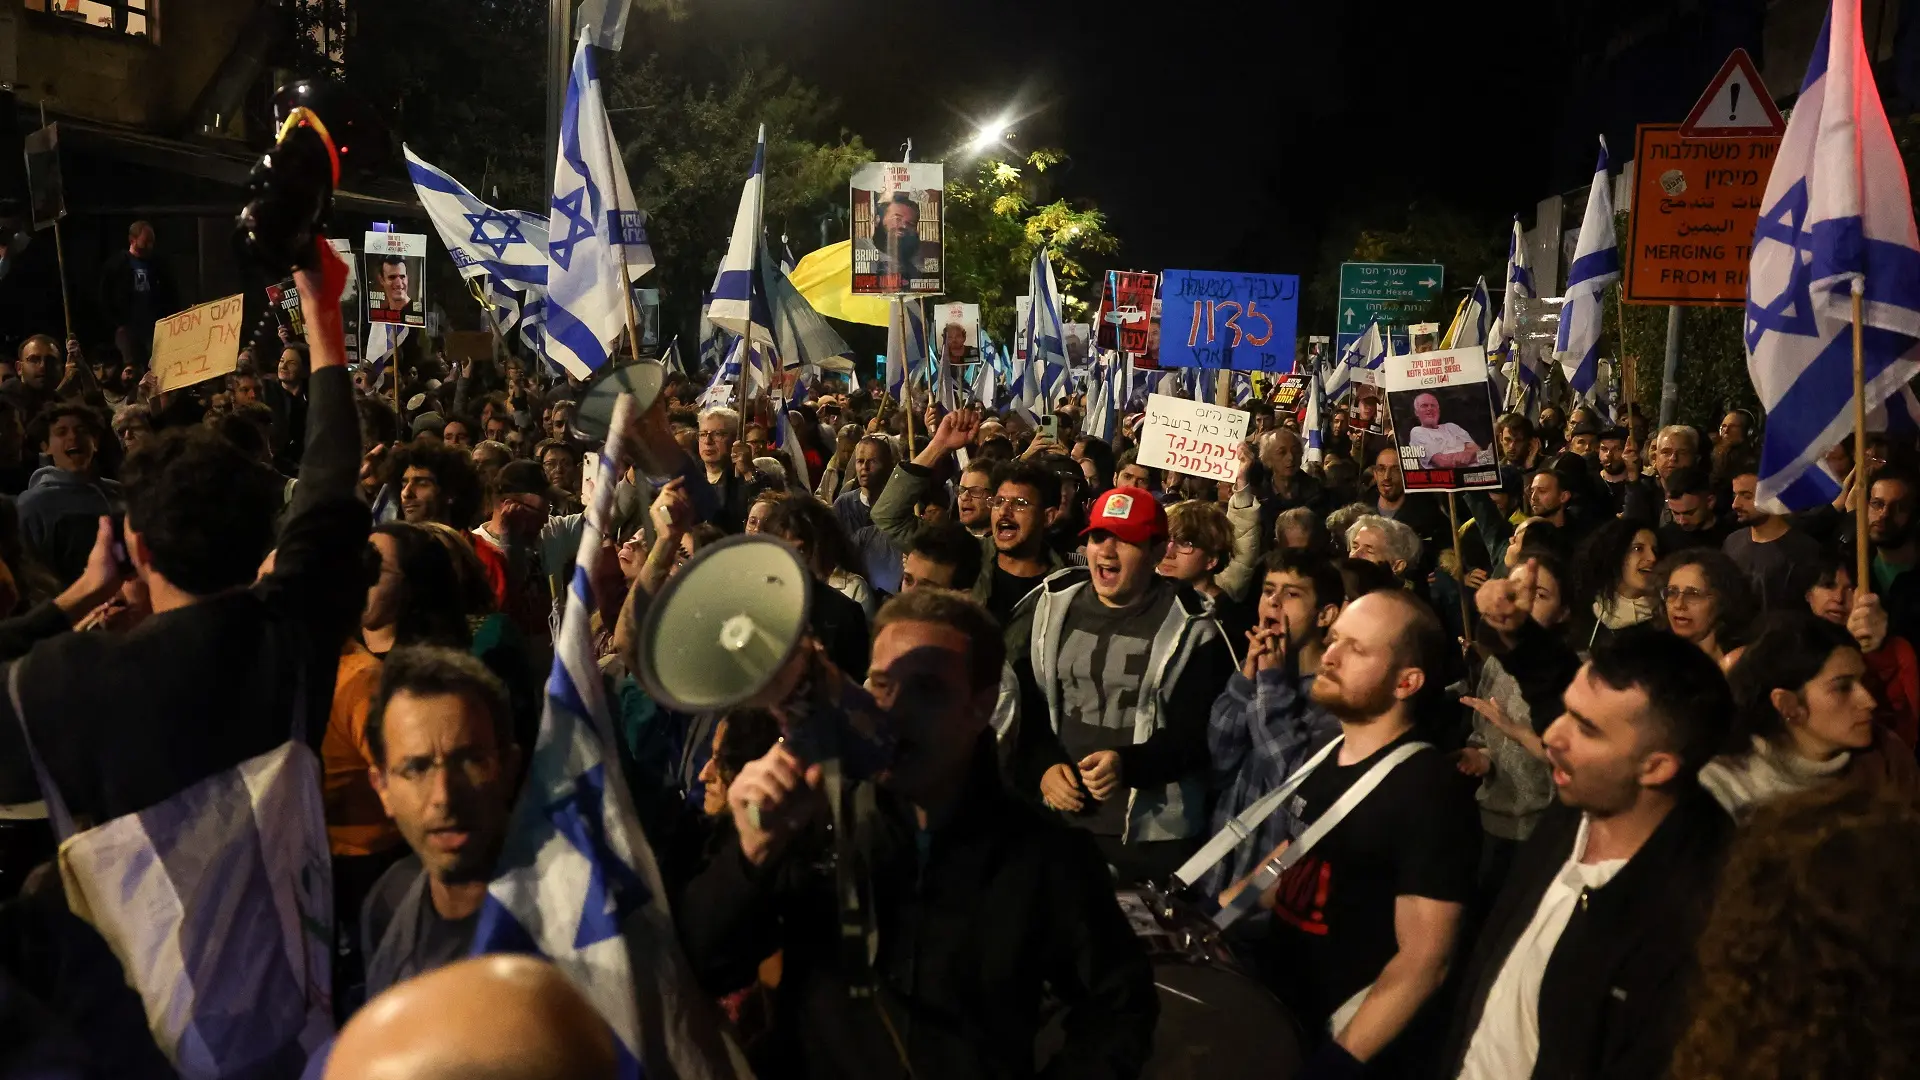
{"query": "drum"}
[(1216, 1021)]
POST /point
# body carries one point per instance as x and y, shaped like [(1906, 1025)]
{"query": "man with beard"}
[(1774, 554), (1418, 511), (1612, 452), (1890, 531), (1693, 512), (1368, 915), (1121, 667), (1008, 508), (440, 735), (435, 483), (896, 239), (1581, 969), (980, 905), (1265, 723)]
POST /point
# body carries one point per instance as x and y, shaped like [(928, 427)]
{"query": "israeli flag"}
[(510, 247), (1596, 265), (1316, 437), (739, 302), (1103, 382), (1368, 353), (1046, 334), (727, 376), (783, 438), (1836, 221), (577, 883), (1502, 339), (787, 262), (984, 387), (594, 225)]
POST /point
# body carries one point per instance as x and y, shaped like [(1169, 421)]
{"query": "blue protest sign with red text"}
[(1212, 319)]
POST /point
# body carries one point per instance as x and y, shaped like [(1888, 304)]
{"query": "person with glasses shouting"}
[(1707, 601)]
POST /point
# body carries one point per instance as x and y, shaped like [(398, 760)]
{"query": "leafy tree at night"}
[(998, 218)]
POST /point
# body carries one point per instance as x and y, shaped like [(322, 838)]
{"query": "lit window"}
[(126, 16)]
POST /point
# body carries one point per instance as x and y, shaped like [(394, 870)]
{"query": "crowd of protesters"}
[(1613, 768)]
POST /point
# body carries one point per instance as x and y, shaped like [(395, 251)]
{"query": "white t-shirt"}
[(1445, 439), (1507, 1042)]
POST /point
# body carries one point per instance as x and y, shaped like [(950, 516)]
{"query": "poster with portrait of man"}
[(897, 229), (1443, 419), (957, 333), (395, 283)]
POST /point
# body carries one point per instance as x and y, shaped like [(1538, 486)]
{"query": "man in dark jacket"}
[(1580, 971), (979, 905), (136, 291)]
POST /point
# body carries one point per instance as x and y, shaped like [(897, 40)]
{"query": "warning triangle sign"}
[(1736, 105)]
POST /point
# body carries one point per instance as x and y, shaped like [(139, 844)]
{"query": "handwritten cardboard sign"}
[(1245, 322), (198, 344), (1192, 437)]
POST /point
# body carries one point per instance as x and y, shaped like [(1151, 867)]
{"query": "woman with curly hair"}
[(1706, 599), (1804, 719), (1613, 586), (1810, 962)]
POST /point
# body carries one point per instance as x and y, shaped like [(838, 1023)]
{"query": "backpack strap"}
[(1241, 826)]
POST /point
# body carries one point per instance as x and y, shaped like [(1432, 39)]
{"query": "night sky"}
[(1217, 135)]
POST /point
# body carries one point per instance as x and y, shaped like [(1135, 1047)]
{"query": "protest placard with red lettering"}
[(1192, 437)]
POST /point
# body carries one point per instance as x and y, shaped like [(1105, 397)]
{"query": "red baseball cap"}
[(1130, 513)]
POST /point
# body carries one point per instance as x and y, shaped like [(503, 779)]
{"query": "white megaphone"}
[(730, 630)]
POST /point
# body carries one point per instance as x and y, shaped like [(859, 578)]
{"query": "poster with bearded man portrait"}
[(1443, 419), (897, 229)]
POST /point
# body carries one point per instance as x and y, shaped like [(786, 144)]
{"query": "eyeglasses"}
[(716, 435), (1002, 501), (1185, 547), (1687, 597), (976, 494)]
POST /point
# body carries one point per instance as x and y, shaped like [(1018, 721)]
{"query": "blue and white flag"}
[(1503, 338), (1367, 353), (787, 261), (1046, 336), (510, 247), (739, 303), (985, 387), (783, 438), (577, 882), (801, 336), (726, 378), (1596, 265), (594, 224), (1837, 219), (1102, 388), (1470, 322), (1316, 437), (604, 22)]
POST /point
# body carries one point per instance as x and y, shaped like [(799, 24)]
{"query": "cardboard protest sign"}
[(898, 246), (1129, 296), (396, 278), (1244, 322), (1443, 419), (1192, 437), (199, 343), (46, 190), (957, 333)]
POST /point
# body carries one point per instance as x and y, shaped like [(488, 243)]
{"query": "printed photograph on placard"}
[(1149, 360), (396, 278), (897, 228), (1128, 294), (1443, 420), (1021, 305), (957, 332), (1078, 341)]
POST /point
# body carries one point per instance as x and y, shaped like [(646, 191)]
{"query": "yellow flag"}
[(825, 278)]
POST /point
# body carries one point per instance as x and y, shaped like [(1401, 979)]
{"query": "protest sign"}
[(1021, 305), (1442, 419), (1078, 341), (350, 298), (1695, 206), (646, 304), (396, 278), (957, 333), (1128, 294), (46, 191), (897, 228), (1219, 320), (1290, 393), (199, 343), (1192, 437), (285, 301), (1149, 360)]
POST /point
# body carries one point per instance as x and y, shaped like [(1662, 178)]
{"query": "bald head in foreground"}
[(487, 1018)]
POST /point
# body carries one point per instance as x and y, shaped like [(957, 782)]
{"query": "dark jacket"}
[(1006, 908), (60, 516), (125, 721), (127, 306), (1614, 997), (289, 422), (736, 498)]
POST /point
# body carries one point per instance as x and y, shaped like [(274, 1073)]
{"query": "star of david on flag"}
[(509, 246), (1836, 220)]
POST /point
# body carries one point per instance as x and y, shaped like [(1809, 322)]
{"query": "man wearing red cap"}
[(1113, 706)]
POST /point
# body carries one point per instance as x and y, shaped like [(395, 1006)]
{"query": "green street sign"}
[(1355, 314), (1413, 282)]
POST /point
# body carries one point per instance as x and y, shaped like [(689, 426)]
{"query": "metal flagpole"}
[(60, 255)]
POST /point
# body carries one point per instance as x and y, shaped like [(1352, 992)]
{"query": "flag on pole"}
[(1315, 437), (1047, 338), (510, 247), (1837, 217), (1596, 265), (739, 296), (788, 264), (594, 225), (1368, 352), (1470, 320), (1242, 389), (783, 438), (906, 347), (577, 882), (605, 22), (984, 387), (1504, 337)]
